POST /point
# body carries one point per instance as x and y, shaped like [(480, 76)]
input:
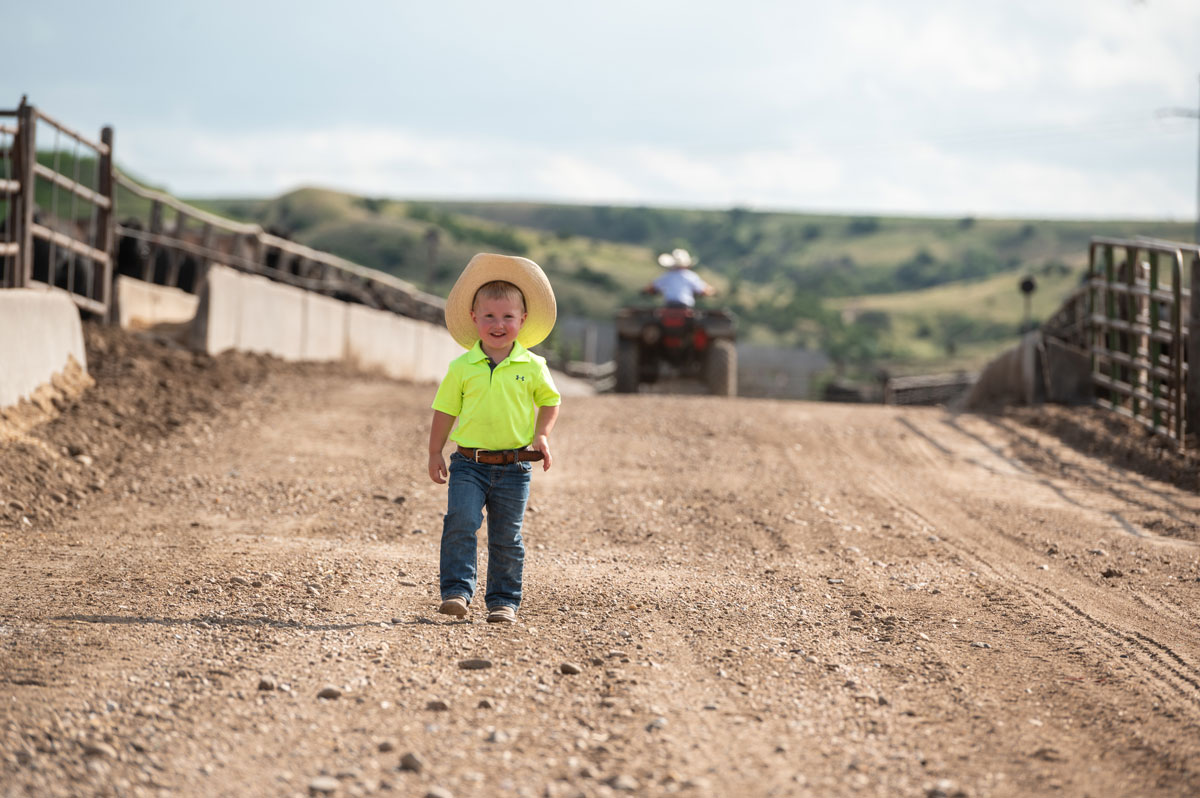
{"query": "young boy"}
[(506, 404)]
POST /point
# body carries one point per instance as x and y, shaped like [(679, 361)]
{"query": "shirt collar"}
[(519, 354)]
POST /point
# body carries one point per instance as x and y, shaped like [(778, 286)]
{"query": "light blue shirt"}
[(680, 285)]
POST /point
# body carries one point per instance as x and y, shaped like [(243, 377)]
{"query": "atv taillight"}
[(700, 339), (674, 317)]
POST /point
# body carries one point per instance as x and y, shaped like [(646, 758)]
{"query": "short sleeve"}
[(449, 394), (546, 394), (696, 280)]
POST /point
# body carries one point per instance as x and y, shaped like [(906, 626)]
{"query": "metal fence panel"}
[(10, 192), (168, 242), (1130, 315), (56, 208)]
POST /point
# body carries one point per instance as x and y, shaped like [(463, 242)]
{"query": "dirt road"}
[(760, 598)]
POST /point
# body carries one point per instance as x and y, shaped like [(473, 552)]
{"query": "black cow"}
[(57, 265), (133, 253), (275, 258), (141, 260)]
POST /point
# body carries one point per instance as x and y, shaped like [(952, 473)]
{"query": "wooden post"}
[(175, 254), (1192, 422), (206, 242), (257, 253), (27, 125), (106, 226), (156, 227), (237, 252)]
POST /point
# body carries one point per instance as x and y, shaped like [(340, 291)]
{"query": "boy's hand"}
[(439, 430), (437, 468), (542, 444)]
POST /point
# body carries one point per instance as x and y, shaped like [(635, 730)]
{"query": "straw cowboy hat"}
[(521, 272), (676, 257)]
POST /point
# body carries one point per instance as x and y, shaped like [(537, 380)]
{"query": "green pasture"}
[(906, 294)]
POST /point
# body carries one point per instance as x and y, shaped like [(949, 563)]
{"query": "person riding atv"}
[(680, 285), (677, 339)]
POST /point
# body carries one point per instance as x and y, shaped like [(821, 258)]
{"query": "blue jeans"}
[(504, 491)]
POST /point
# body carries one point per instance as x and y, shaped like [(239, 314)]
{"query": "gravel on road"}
[(234, 593)]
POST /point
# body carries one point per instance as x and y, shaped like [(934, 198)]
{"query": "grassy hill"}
[(428, 245), (63, 204), (906, 294)]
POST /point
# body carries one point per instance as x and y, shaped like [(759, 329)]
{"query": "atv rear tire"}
[(722, 369), (627, 366)]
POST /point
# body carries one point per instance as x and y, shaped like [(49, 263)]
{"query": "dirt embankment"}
[(146, 388), (723, 597), (1116, 440)]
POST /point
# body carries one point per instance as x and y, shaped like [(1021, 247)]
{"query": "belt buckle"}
[(507, 456)]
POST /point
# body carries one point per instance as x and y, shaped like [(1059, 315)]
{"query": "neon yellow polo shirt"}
[(496, 409)]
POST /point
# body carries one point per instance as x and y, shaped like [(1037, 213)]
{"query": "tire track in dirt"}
[(1158, 660), (761, 598), (1159, 607), (1048, 456), (1004, 466)]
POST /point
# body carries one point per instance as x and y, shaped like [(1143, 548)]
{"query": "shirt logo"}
[(520, 377)]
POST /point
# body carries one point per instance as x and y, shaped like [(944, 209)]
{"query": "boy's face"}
[(498, 321)]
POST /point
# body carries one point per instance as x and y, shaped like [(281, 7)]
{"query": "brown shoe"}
[(455, 605), (502, 613)]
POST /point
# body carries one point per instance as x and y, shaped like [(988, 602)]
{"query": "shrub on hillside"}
[(374, 246), (602, 280), (502, 238), (862, 225)]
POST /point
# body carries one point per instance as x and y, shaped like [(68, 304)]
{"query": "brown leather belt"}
[(503, 457)]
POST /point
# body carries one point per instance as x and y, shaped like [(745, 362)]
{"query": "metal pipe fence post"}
[(1192, 424), (1091, 334), (1153, 345), (10, 263), (1112, 339), (26, 160), (106, 226), (1133, 265), (1179, 352)]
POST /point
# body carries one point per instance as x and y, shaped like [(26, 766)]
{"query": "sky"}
[(986, 108)]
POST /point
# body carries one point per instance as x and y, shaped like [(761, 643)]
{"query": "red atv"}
[(658, 343)]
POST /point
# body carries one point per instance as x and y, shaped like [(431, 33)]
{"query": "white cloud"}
[(948, 46), (1140, 46), (366, 159), (697, 102), (905, 177), (927, 180), (679, 173), (566, 176)]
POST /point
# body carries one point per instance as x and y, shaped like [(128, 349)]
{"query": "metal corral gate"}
[(1141, 328), (168, 242), (57, 210)]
